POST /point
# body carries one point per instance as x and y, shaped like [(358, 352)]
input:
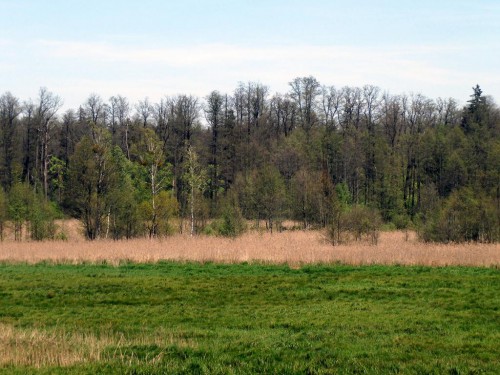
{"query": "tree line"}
[(318, 155)]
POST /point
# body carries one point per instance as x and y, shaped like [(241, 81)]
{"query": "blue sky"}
[(153, 48)]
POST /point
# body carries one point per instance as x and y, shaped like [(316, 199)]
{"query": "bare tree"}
[(351, 110), (118, 112), (48, 105), (67, 142), (29, 140), (250, 103), (330, 104), (144, 109), (94, 107), (284, 114), (113, 115), (9, 111), (371, 102), (186, 108), (161, 116), (447, 111), (181, 114), (239, 104), (419, 115), (370, 98), (390, 114), (214, 114), (304, 92)]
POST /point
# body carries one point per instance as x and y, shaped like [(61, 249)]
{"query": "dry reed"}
[(39, 348), (291, 247)]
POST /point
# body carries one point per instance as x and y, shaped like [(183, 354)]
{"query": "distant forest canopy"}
[(313, 154)]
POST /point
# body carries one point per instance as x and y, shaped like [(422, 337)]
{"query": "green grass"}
[(262, 319)]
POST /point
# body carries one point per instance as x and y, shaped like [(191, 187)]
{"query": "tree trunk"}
[(192, 211)]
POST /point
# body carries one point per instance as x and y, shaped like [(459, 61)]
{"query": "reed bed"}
[(291, 247), (39, 348)]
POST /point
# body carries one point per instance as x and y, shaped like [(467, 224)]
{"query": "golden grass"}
[(39, 348), (291, 247)]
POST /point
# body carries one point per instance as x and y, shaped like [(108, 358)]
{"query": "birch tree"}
[(196, 179)]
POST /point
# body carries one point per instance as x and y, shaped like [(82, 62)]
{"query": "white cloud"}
[(4, 42), (135, 72), (198, 55)]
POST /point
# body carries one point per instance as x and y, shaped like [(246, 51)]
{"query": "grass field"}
[(214, 318)]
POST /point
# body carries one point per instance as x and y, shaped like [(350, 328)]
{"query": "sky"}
[(154, 48)]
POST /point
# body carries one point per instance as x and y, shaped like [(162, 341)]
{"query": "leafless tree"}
[(304, 92), (67, 142), (9, 111), (370, 98), (330, 105), (284, 114), (45, 112), (144, 109), (119, 110), (391, 117), (351, 108), (94, 107), (214, 114), (447, 111), (161, 120)]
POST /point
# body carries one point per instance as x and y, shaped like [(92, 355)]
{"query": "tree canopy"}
[(125, 169)]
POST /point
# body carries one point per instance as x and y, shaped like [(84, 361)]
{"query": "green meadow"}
[(248, 318)]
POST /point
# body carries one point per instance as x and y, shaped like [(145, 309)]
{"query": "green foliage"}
[(303, 155), (475, 113), (57, 171), (123, 219), (93, 180), (309, 195), (362, 220), (27, 208), (196, 179), (230, 224), (244, 189), (153, 175), (354, 222), (270, 194), (156, 220), (464, 216), (18, 207), (124, 212), (246, 319), (343, 194), (401, 221), (41, 218)]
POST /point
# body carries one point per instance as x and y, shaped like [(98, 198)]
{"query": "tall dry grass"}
[(292, 247), (39, 348)]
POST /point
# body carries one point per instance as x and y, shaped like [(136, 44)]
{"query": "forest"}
[(344, 159)]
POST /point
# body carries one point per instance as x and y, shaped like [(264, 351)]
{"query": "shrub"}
[(18, 207), (356, 222), (29, 208), (362, 220), (41, 219), (157, 221), (230, 224), (463, 216)]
